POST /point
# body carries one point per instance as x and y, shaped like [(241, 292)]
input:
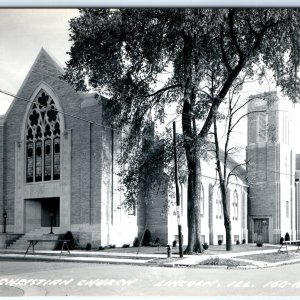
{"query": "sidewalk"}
[(151, 256)]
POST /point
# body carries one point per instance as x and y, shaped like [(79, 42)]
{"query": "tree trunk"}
[(227, 221), (193, 211), (192, 149), (227, 224)]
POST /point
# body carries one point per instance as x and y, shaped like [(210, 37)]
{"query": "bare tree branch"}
[(163, 90), (231, 173), (244, 115)]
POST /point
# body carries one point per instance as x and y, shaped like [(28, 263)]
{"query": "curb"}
[(71, 259), (136, 261)]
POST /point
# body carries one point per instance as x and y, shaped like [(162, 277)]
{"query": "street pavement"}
[(44, 278), (126, 272)]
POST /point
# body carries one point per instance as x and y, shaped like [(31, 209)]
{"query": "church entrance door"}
[(261, 229), (50, 209), (38, 213)]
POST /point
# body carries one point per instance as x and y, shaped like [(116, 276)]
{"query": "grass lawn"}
[(216, 261), (160, 261), (273, 257)]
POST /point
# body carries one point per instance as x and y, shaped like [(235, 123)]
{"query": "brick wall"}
[(1, 171), (268, 160)]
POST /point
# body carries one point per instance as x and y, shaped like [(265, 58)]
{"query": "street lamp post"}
[(51, 223), (4, 223)]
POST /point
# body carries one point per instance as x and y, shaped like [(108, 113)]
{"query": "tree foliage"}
[(144, 60)]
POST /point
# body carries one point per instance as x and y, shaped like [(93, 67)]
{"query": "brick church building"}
[(273, 170), (58, 166)]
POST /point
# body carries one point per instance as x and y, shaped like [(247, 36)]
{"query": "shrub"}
[(112, 246), (69, 236), (281, 240), (259, 244), (156, 243), (101, 248), (220, 242), (88, 246), (125, 245), (174, 244), (287, 237), (136, 242), (237, 242), (147, 240), (205, 246), (243, 241)]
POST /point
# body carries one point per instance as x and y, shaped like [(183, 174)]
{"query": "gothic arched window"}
[(235, 204), (42, 140), (219, 205)]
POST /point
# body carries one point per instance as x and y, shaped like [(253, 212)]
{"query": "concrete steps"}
[(38, 234)]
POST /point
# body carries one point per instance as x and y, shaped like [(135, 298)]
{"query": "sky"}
[(23, 32)]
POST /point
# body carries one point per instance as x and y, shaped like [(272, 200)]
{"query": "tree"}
[(145, 59), (234, 114)]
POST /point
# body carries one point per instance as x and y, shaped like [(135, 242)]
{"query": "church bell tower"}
[(270, 169)]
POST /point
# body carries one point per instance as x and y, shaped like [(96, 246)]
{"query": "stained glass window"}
[(29, 169), (47, 160), (219, 205), (43, 140), (56, 159), (235, 205), (38, 161)]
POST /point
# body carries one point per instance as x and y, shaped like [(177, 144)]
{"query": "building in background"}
[(162, 223)]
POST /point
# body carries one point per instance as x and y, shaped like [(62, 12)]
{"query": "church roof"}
[(44, 59), (46, 68), (237, 169)]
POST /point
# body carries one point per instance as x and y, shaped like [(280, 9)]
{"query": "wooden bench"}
[(32, 243), (286, 243)]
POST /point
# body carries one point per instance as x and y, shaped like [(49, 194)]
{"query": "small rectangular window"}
[(262, 123)]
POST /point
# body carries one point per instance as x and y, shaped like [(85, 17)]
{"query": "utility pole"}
[(177, 192)]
